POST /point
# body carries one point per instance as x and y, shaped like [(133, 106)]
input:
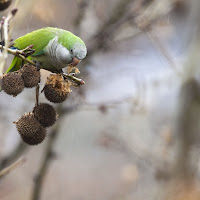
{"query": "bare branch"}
[(104, 34), (160, 46), (37, 188), (6, 39), (37, 89), (8, 169), (20, 148)]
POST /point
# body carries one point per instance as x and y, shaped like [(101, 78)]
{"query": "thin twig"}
[(16, 153), (37, 89), (74, 79), (83, 5), (18, 53), (46, 159), (8, 169), (160, 46), (108, 29), (6, 39)]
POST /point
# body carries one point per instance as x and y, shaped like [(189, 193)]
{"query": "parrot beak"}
[(75, 61)]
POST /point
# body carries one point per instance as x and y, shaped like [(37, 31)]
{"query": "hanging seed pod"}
[(4, 4), (12, 83), (45, 114), (30, 130), (30, 75), (56, 89)]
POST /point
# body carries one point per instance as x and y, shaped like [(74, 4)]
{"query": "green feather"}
[(67, 39), (15, 65), (39, 39), (39, 53)]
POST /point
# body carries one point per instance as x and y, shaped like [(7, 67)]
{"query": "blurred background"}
[(132, 131)]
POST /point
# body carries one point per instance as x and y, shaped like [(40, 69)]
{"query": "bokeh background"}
[(132, 131)]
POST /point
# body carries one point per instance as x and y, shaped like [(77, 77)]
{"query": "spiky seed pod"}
[(45, 114), (4, 4), (30, 130), (54, 95), (30, 75), (12, 83), (56, 89)]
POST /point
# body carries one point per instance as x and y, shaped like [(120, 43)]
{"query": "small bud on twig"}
[(14, 11)]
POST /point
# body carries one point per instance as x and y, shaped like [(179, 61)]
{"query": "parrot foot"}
[(26, 52), (37, 65), (22, 64), (2, 43)]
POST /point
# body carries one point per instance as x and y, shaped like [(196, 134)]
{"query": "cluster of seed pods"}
[(32, 126)]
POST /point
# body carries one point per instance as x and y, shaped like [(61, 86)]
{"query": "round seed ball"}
[(56, 89), (4, 4), (54, 95), (30, 130), (30, 75), (12, 83), (45, 114)]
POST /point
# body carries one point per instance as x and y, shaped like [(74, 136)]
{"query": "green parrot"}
[(54, 49)]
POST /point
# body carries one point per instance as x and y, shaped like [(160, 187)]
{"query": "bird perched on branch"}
[(54, 49)]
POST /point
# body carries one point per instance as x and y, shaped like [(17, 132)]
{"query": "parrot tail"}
[(15, 65)]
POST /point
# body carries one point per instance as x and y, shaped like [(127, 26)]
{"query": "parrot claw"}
[(27, 51), (37, 65), (2, 43)]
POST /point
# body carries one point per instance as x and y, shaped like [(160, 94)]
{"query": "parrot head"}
[(71, 49), (77, 52)]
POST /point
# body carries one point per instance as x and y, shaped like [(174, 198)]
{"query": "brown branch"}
[(142, 16), (44, 165), (82, 8), (37, 188), (189, 101), (37, 90), (8, 169), (18, 53), (161, 47), (20, 148), (5, 30), (105, 33), (187, 127), (75, 81)]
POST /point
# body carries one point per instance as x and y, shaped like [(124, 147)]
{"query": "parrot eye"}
[(71, 51)]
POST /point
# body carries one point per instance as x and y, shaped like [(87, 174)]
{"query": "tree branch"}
[(20, 148), (5, 29), (37, 188), (8, 169)]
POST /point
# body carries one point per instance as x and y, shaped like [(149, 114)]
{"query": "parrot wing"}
[(39, 39)]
